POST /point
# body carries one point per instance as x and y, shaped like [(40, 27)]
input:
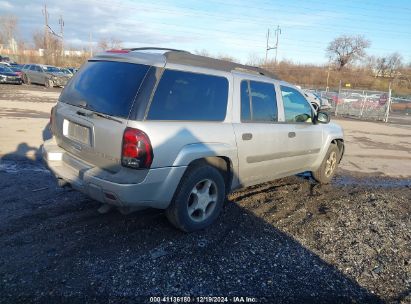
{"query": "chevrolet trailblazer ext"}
[(163, 128)]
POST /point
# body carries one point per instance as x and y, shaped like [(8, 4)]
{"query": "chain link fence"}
[(366, 105)]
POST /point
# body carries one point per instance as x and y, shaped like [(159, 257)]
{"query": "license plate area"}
[(76, 132)]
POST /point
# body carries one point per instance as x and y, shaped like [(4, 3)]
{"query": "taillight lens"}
[(137, 152), (51, 119)]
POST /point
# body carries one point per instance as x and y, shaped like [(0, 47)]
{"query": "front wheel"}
[(49, 83), (326, 171), (198, 200), (26, 79)]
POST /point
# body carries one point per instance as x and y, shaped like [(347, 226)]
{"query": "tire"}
[(26, 79), (328, 167), (48, 83), (198, 200)]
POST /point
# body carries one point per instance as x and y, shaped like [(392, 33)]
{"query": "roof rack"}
[(250, 69), (155, 49)]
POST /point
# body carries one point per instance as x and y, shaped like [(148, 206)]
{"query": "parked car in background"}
[(316, 100), (177, 131), (47, 75), (17, 70), (66, 72), (7, 75), (72, 70)]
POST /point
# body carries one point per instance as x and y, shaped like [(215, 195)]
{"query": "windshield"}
[(4, 69), (105, 86), (51, 69)]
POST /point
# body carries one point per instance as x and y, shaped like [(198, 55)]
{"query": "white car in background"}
[(316, 100)]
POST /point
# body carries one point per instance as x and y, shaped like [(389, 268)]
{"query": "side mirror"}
[(322, 117)]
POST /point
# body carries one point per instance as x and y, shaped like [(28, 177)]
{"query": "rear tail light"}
[(51, 119), (137, 152)]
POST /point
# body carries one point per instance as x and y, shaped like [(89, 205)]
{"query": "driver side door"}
[(305, 137)]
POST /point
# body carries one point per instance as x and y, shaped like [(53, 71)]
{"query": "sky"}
[(224, 27)]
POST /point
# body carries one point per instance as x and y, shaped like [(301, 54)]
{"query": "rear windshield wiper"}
[(107, 117), (97, 114)]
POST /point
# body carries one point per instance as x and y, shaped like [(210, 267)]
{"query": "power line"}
[(310, 9), (230, 18), (198, 13)]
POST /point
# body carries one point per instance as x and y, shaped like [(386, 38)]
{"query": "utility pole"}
[(91, 45), (388, 103), (277, 33), (328, 77), (267, 48), (61, 22), (46, 29)]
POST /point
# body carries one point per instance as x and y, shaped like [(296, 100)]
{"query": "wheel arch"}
[(341, 147), (222, 163)]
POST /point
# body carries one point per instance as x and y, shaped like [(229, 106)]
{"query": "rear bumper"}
[(155, 187)]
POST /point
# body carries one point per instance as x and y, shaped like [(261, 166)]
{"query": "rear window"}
[(105, 86), (189, 96), (258, 102)]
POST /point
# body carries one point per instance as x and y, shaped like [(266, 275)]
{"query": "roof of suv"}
[(186, 58)]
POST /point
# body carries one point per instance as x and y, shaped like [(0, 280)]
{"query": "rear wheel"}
[(198, 200), (326, 171)]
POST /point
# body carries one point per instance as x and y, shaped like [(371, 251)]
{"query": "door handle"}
[(247, 136), (291, 134)]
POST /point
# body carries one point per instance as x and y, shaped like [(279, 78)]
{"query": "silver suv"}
[(176, 131)]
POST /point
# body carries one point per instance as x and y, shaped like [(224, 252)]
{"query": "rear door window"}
[(258, 102), (105, 86), (187, 96)]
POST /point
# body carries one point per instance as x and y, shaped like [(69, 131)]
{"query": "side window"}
[(189, 96), (258, 102), (32, 68), (296, 107)]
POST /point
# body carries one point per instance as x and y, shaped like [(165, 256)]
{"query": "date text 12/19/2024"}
[(205, 299)]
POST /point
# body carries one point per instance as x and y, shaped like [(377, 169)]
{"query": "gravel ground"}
[(289, 240)]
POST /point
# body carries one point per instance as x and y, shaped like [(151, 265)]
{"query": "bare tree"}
[(394, 64), (109, 44), (202, 52), (254, 59), (52, 51), (227, 58), (347, 49), (387, 66), (38, 40), (8, 28)]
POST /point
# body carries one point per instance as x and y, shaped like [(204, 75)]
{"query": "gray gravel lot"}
[(288, 240), (285, 241)]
